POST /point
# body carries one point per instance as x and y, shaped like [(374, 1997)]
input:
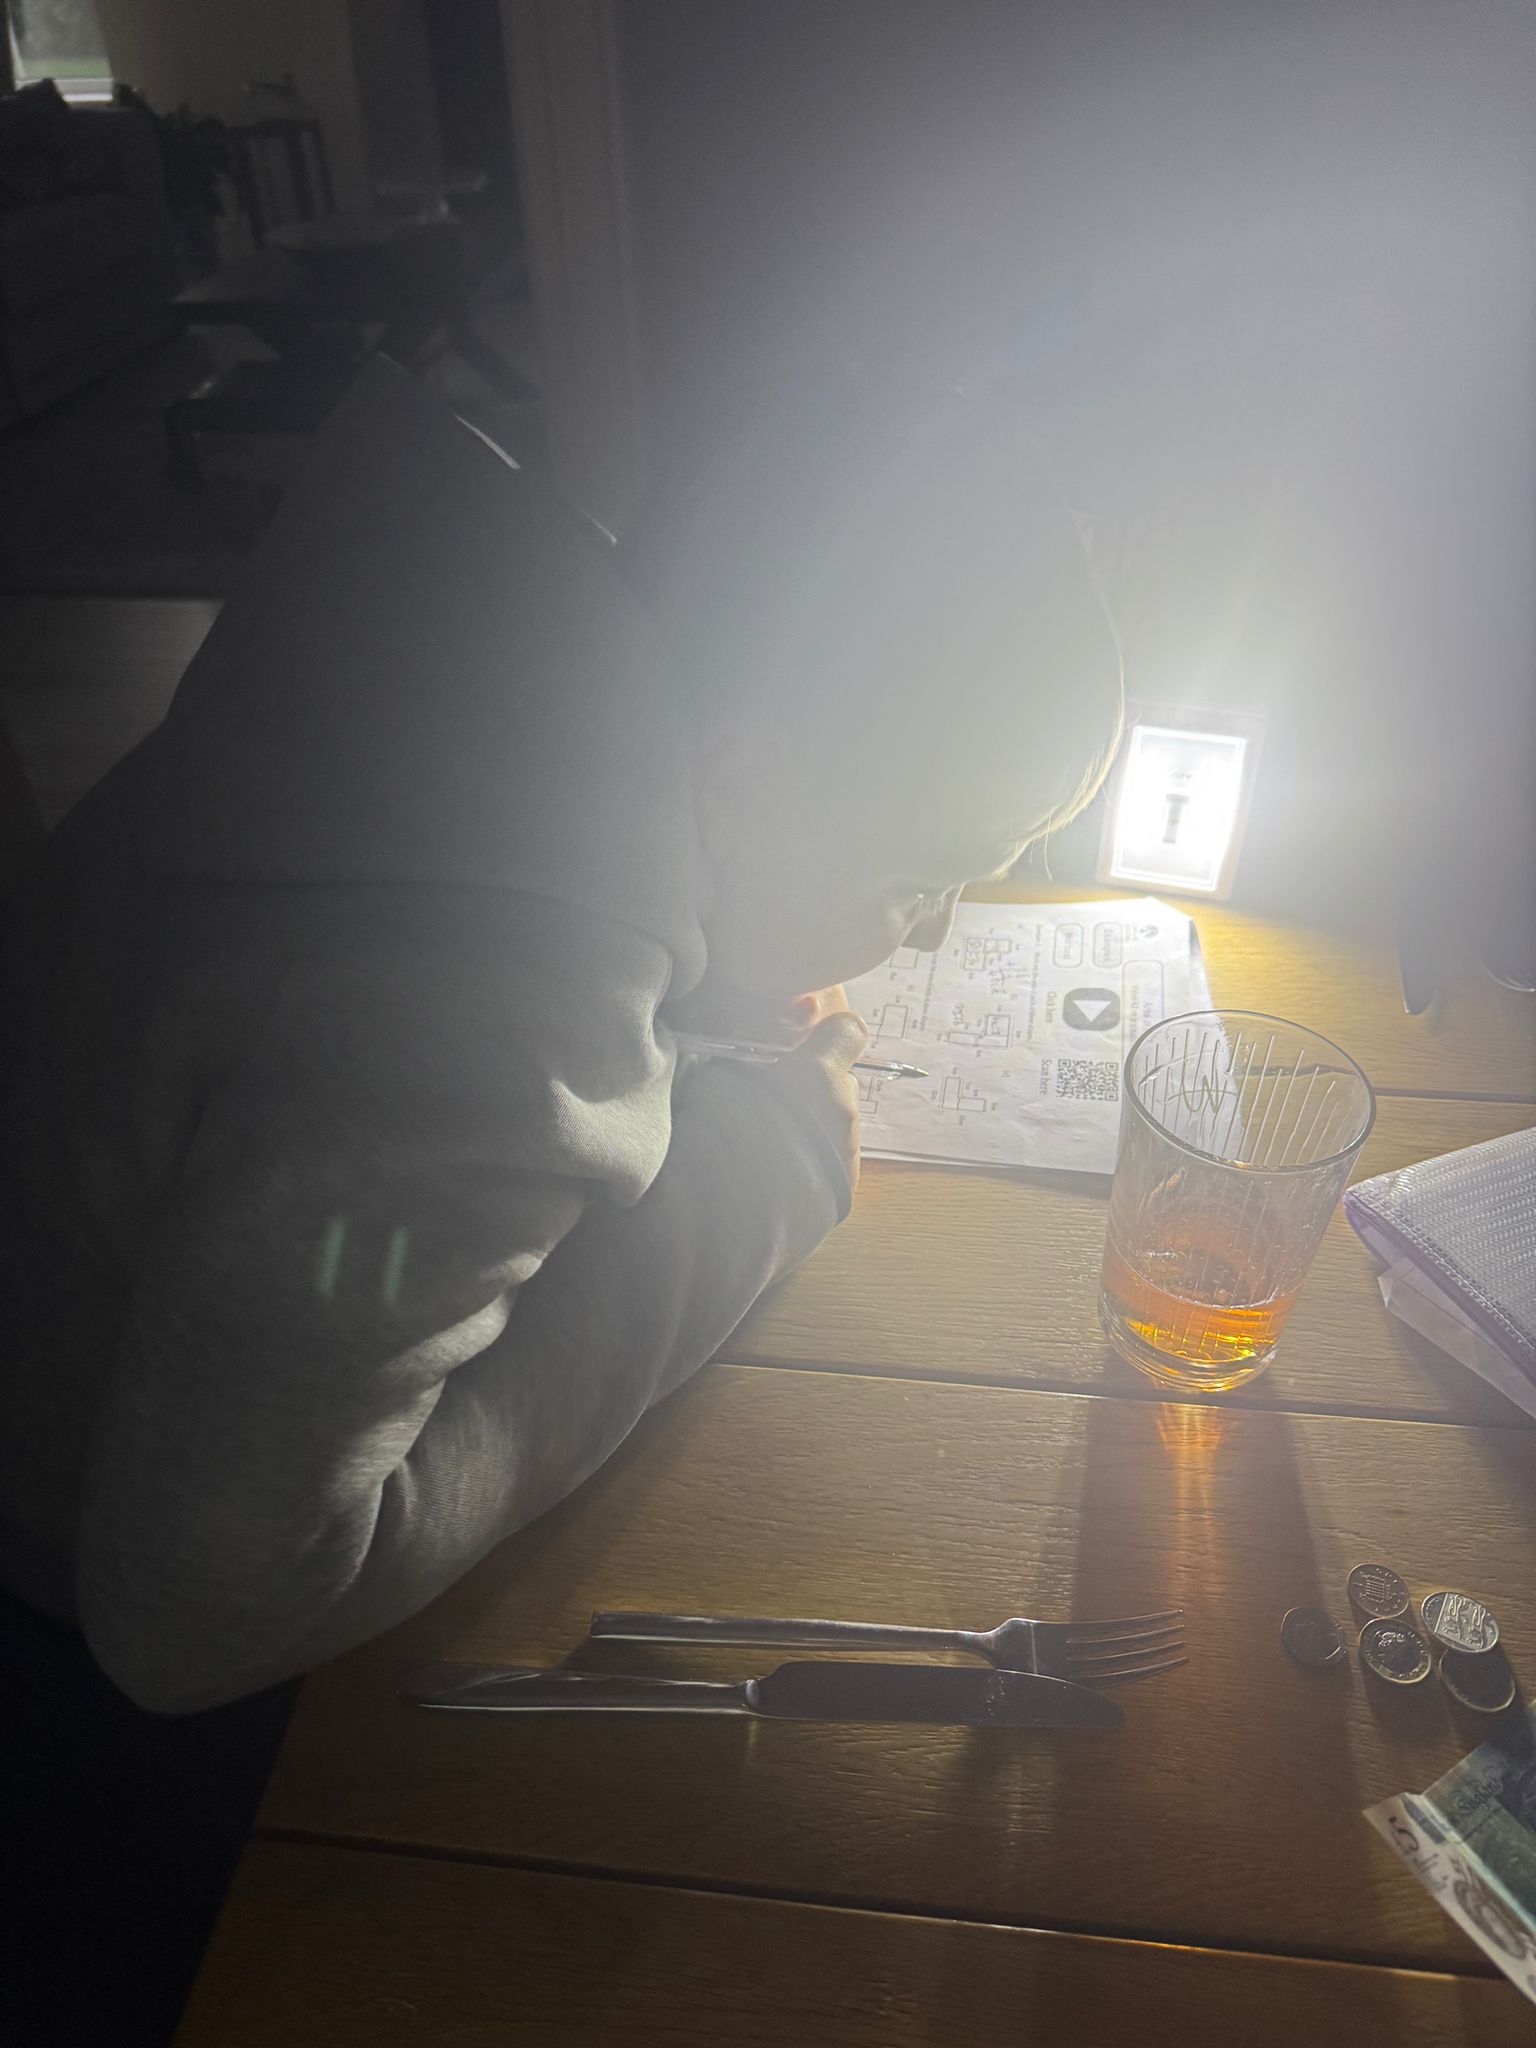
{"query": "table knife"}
[(941, 1694)]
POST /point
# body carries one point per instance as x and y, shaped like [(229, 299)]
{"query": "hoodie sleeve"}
[(436, 1245)]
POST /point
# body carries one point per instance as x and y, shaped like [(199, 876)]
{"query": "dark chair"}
[(280, 171)]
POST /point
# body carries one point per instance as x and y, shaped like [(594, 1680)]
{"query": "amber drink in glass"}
[(1237, 1135)]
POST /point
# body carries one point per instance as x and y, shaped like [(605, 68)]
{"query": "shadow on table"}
[(1204, 1506)]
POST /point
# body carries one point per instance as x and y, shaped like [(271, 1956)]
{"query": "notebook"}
[(1458, 1235)]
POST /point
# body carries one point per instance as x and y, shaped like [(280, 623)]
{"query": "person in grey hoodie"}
[(355, 1200)]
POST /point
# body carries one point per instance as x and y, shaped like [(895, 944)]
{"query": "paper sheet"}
[(1023, 1020), (1414, 1299)]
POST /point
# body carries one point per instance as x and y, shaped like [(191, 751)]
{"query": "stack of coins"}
[(1393, 1649), (1473, 1667)]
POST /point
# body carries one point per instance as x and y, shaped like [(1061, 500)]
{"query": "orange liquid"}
[(1201, 1305)]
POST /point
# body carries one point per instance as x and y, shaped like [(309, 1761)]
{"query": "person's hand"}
[(817, 1079), (806, 1012), (720, 1011)]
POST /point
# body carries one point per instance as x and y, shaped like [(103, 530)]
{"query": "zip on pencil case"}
[(1468, 1221)]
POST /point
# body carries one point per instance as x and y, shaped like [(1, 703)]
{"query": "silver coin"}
[(1312, 1637), (1395, 1651), (1480, 1680), (1458, 1621), (1378, 1591)]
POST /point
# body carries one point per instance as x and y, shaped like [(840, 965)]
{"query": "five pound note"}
[(1470, 1840)]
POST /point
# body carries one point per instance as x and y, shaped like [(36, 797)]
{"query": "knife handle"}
[(778, 1634), (487, 1689)]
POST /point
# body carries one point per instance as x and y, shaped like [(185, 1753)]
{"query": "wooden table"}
[(924, 1424)]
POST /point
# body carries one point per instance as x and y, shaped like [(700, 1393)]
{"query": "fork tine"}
[(1125, 1653), (1084, 1648), (1115, 1674), (1128, 1646), (1119, 1625)]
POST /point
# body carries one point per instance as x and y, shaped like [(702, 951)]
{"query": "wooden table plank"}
[(1477, 1038), (991, 1276), (1226, 1813), (359, 1950)]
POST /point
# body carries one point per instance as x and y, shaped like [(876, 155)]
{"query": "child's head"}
[(902, 669)]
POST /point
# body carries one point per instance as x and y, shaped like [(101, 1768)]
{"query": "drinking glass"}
[(1237, 1134)]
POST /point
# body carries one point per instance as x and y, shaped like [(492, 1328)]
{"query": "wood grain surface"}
[(330, 1948), (1477, 1038), (995, 1276), (1226, 1813)]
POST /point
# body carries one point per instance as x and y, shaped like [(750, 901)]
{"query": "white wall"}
[(203, 52), (1267, 276)]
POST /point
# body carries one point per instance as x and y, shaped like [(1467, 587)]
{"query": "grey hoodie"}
[(352, 1208)]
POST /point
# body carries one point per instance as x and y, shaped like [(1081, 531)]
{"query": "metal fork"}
[(1093, 1652)]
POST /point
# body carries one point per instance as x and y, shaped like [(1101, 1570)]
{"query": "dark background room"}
[(1259, 273), (1253, 282)]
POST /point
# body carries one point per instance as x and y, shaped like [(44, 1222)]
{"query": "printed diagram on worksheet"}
[(1022, 1022)]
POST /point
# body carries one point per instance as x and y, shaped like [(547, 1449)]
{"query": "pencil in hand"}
[(755, 1053)]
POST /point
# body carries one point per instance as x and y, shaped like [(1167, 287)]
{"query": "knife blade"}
[(940, 1695)]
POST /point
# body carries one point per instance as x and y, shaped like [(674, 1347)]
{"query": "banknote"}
[(1471, 1841)]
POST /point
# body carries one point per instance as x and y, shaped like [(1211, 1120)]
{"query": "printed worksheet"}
[(1023, 1021)]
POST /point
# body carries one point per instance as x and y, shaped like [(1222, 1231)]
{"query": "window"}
[(59, 39)]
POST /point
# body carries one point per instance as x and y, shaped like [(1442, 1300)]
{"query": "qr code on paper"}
[(1088, 1080)]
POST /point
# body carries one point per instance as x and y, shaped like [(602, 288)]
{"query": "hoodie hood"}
[(433, 673)]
